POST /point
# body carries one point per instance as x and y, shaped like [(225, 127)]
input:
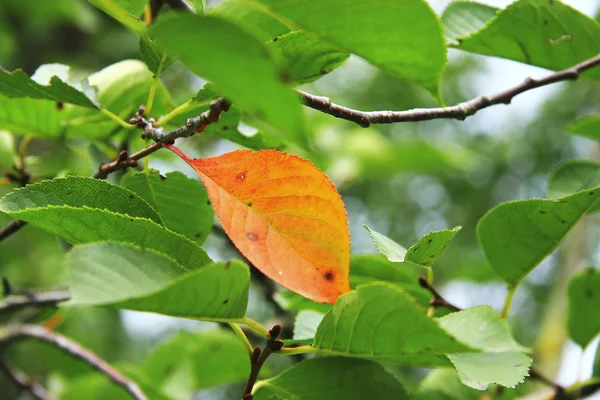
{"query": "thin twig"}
[(582, 391), (258, 358), (459, 111), (34, 299), (11, 228), (12, 333), (24, 382), (124, 161), (438, 300)]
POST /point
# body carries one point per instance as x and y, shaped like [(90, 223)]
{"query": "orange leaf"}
[(283, 215)]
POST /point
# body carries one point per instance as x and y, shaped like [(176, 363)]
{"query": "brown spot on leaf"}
[(197, 235), (225, 127), (545, 22), (592, 193), (208, 203), (241, 175), (430, 240), (227, 264), (162, 177), (542, 212), (131, 196), (252, 236), (131, 219), (329, 276), (60, 105), (249, 204), (225, 301), (563, 222), (69, 192), (276, 38)]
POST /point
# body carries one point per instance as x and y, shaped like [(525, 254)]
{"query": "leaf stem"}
[(114, 117), (255, 326), (291, 351), (508, 301), (240, 333), (152, 92), (178, 110)]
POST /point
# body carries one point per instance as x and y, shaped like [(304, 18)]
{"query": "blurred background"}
[(402, 180)]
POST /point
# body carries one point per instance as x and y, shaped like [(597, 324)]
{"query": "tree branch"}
[(11, 228), (12, 333), (438, 300), (24, 382), (460, 111), (35, 299), (258, 358)]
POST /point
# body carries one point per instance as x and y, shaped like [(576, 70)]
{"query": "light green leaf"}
[(306, 324), (373, 268), (191, 361), (252, 17), (544, 33), (332, 378), (304, 57), (502, 360), (572, 177), (88, 225), (79, 192), (182, 202), (423, 253), (25, 116), (124, 276), (583, 319), (122, 88), (126, 12), (234, 56), (445, 384), (378, 31), (588, 126), (380, 321), (386, 246), (8, 151), (154, 55), (44, 84), (516, 236)]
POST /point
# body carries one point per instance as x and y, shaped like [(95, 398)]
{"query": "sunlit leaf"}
[(332, 378), (306, 324), (126, 12), (517, 236), (583, 320), (572, 177), (544, 33), (155, 57), (445, 384)]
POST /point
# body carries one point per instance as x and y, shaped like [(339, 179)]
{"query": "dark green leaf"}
[(192, 361), (46, 84), (445, 384), (572, 177), (124, 276), (332, 378), (377, 31), (517, 236), (155, 57), (588, 126), (381, 322), (182, 202), (502, 360), (583, 319), (77, 191), (88, 225), (305, 58), (544, 33), (234, 56)]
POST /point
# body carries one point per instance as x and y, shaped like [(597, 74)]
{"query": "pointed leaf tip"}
[(284, 215)]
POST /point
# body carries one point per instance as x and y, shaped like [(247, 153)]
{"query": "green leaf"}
[(332, 378), (252, 17), (516, 236), (583, 319), (304, 57), (377, 31), (8, 151), (46, 84), (588, 126), (544, 33), (182, 202), (154, 55), (122, 88), (191, 361), (126, 12), (462, 18), (306, 324), (572, 177), (88, 225), (596, 366), (502, 360), (386, 246), (124, 276), (381, 322), (445, 384), (79, 192), (424, 253), (25, 116), (234, 56), (373, 268)]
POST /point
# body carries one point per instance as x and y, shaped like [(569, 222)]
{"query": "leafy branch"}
[(459, 111), (17, 332), (258, 358)]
